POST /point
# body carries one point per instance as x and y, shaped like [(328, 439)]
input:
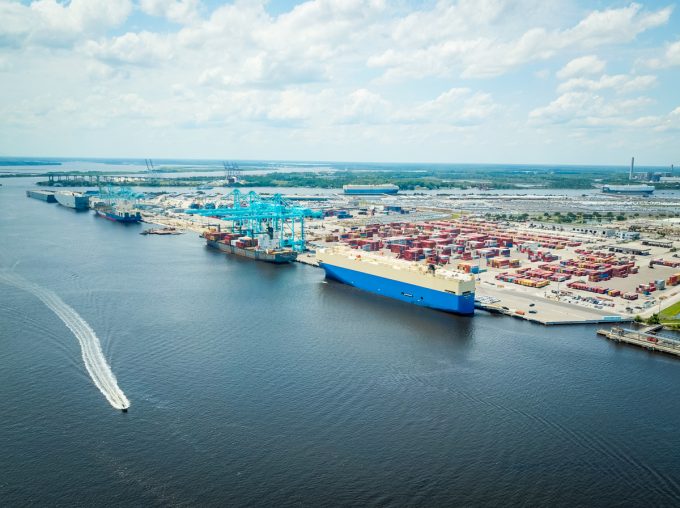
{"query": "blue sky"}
[(516, 81)]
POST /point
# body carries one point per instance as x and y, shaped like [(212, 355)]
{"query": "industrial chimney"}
[(632, 168)]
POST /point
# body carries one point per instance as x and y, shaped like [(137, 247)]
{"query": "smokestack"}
[(632, 168)]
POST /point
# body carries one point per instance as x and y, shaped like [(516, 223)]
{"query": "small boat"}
[(124, 410)]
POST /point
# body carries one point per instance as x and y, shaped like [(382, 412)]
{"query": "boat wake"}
[(95, 363)]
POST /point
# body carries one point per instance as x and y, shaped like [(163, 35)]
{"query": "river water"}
[(253, 384)]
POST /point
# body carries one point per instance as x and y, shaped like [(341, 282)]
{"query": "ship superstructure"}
[(416, 283)]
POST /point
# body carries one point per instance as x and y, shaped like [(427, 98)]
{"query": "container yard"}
[(550, 277)]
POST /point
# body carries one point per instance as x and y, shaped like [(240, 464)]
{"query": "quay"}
[(645, 338), (161, 231), (539, 310), (307, 259)]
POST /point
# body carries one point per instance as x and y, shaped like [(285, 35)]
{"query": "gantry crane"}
[(253, 215)]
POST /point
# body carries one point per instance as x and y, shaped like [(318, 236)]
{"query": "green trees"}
[(654, 319)]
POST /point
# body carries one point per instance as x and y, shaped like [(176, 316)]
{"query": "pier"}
[(646, 338)]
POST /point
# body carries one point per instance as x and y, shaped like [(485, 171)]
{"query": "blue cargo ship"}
[(418, 284), (117, 214)]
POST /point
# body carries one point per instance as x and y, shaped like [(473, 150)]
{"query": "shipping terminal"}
[(443, 251)]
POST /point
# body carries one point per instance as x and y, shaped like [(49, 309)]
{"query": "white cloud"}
[(477, 50), (326, 73), (589, 64), (457, 106), (178, 11), (263, 71), (620, 83), (241, 45), (671, 57), (54, 23), (364, 106), (588, 109), (614, 25), (670, 122), (137, 48)]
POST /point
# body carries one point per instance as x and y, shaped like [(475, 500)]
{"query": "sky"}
[(468, 81)]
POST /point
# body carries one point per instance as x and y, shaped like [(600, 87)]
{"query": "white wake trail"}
[(90, 347)]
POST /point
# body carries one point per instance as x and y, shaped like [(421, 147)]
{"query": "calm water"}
[(254, 384)]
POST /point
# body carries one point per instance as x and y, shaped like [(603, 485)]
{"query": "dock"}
[(161, 231), (307, 259), (540, 310), (646, 338)]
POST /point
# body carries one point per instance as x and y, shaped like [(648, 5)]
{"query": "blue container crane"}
[(253, 215), (112, 195)]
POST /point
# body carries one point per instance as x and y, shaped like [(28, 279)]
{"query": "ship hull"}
[(370, 192), (632, 190), (630, 193), (45, 196), (128, 219), (403, 291), (278, 258), (70, 200)]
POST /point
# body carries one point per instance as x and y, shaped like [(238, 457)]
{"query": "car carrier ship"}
[(419, 284), (43, 195), (247, 247), (75, 200), (386, 188), (640, 190)]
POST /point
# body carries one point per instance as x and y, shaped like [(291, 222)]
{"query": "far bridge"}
[(70, 179)]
